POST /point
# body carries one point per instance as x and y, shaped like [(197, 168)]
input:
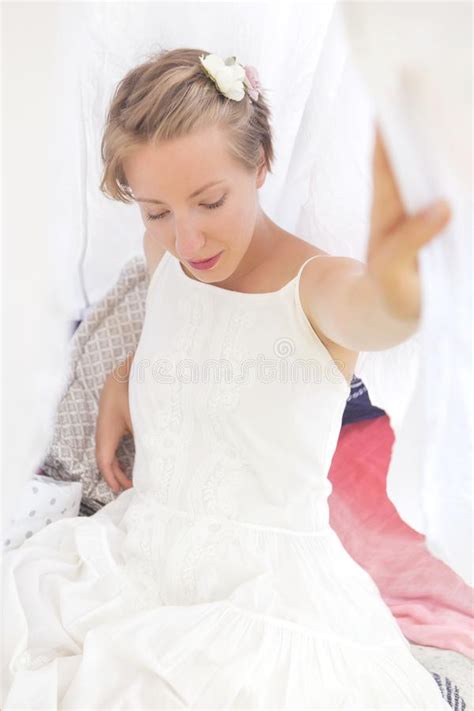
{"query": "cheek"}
[(239, 216)]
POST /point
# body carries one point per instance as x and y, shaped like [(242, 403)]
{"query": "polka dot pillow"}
[(40, 502)]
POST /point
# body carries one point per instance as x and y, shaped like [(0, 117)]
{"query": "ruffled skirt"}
[(142, 607)]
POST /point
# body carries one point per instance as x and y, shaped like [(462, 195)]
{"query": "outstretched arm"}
[(375, 305)]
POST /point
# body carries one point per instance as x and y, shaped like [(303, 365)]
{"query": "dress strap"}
[(315, 256), (300, 310)]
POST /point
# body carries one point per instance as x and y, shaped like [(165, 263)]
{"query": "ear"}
[(262, 169)]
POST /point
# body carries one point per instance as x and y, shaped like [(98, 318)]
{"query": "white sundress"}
[(216, 582)]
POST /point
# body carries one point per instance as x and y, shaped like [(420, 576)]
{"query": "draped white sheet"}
[(417, 60), (320, 189)]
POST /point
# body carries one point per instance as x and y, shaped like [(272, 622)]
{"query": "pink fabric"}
[(431, 603)]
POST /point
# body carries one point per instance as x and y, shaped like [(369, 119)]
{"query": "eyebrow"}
[(196, 192)]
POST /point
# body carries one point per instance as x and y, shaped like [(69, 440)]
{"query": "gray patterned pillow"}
[(109, 332)]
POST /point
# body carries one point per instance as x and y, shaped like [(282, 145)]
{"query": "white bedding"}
[(40, 502)]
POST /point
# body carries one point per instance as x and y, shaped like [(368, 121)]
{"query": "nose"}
[(189, 242)]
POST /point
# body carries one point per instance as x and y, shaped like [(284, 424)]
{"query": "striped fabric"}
[(450, 692)]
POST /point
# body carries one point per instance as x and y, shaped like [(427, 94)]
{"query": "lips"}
[(205, 263)]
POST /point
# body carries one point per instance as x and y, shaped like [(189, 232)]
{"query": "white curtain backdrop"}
[(320, 190), (417, 61)]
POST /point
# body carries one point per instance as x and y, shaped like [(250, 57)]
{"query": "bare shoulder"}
[(330, 266), (153, 253), (314, 288), (297, 251)]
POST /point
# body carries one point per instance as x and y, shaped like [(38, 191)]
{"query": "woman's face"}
[(221, 217)]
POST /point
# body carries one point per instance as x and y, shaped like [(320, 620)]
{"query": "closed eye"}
[(211, 206)]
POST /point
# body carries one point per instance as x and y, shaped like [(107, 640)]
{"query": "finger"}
[(105, 465), (419, 229), (107, 472), (387, 207), (106, 443), (120, 475)]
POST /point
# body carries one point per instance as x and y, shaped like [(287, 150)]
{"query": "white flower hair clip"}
[(231, 78)]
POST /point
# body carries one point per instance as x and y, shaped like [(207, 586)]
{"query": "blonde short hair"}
[(169, 96)]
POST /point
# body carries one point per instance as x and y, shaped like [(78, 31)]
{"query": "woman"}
[(215, 581)]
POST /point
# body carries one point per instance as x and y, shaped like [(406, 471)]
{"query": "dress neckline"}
[(232, 292), (256, 295)]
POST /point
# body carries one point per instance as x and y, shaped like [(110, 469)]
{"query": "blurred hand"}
[(396, 238), (113, 422)]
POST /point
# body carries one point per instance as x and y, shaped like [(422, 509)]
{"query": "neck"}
[(262, 246)]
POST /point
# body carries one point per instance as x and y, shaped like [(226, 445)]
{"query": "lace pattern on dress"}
[(215, 478)]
